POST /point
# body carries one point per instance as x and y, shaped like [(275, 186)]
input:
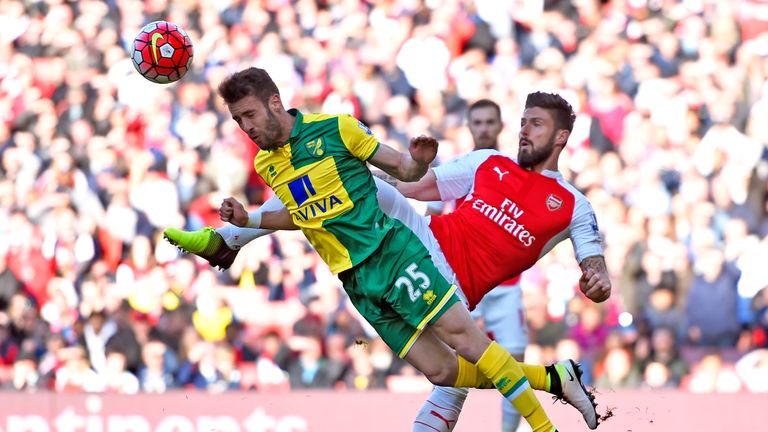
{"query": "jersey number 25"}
[(414, 275)]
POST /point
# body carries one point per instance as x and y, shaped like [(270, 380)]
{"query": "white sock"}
[(441, 410), (510, 418), (236, 237)]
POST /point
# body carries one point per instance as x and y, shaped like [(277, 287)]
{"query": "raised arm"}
[(446, 182), (594, 281), (406, 167), (425, 189)]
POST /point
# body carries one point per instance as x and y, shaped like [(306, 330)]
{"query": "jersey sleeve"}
[(456, 178), (260, 166), (357, 137), (585, 234)]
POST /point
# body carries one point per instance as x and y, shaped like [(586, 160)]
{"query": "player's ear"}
[(275, 103), (561, 137)]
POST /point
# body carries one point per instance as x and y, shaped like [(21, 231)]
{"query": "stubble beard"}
[(272, 133)]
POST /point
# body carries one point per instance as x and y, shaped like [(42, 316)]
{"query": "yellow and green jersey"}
[(321, 176)]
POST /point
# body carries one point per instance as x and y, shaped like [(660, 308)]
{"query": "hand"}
[(423, 149), (232, 211), (595, 285)]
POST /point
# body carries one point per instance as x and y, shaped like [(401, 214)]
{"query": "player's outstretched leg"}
[(561, 379), (220, 246), (205, 243)]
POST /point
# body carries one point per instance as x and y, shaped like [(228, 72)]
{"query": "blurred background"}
[(95, 161)]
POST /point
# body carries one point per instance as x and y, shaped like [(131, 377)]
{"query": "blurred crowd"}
[(95, 161)]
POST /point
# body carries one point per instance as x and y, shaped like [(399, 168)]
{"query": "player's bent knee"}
[(442, 377), (471, 347), (442, 372), (457, 330)]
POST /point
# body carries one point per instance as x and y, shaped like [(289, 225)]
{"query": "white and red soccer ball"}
[(162, 52)]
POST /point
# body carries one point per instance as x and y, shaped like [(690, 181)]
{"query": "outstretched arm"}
[(594, 281), (406, 167), (446, 182), (425, 189)]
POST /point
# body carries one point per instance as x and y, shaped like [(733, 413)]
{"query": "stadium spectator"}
[(309, 368), (115, 377), (617, 370), (76, 375), (154, 376), (712, 312)]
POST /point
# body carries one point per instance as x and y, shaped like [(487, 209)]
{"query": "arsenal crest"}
[(554, 202)]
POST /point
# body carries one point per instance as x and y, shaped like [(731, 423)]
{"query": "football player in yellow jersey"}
[(316, 164)]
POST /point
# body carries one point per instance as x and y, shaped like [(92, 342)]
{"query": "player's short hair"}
[(484, 103), (561, 110), (248, 82)]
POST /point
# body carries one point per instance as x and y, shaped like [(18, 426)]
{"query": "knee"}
[(442, 374), (471, 348), (463, 336), (441, 380)]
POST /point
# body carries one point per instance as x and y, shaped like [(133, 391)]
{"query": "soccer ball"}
[(162, 52)]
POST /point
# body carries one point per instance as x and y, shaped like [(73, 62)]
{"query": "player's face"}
[(485, 127), (258, 121), (537, 137)]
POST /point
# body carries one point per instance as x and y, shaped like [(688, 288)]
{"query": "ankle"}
[(554, 379)]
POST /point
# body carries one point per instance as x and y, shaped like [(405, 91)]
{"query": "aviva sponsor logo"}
[(302, 190)]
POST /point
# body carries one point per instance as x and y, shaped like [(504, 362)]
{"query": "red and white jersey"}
[(504, 284), (509, 219)]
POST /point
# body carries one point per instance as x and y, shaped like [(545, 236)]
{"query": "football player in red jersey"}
[(513, 213), (501, 309)]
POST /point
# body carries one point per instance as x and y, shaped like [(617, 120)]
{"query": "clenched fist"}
[(595, 285), (232, 211), (423, 149)]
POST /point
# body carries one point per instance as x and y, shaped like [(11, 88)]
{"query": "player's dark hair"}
[(484, 103), (561, 111), (248, 82)]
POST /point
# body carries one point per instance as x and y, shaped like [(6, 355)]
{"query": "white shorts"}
[(395, 205), (504, 317)]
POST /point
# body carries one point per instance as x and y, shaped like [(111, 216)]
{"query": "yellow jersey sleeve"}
[(356, 136)]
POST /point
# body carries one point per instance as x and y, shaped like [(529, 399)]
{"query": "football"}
[(162, 52)]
